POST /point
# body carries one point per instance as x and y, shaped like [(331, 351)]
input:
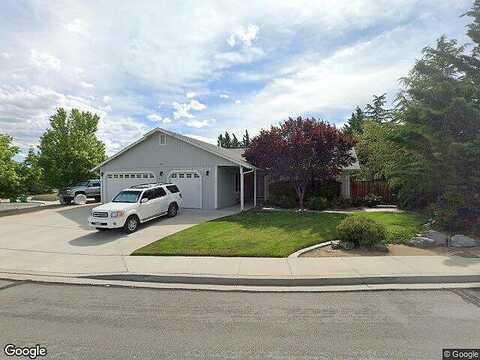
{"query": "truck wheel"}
[(172, 210), (131, 224), (80, 199), (98, 198)]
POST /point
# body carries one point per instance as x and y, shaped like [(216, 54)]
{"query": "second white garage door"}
[(190, 185)]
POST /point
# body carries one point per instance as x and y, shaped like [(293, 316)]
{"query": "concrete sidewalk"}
[(273, 271)]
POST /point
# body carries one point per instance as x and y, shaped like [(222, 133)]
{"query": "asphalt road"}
[(83, 322)]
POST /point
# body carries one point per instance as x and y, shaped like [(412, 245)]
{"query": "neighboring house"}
[(210, 177)]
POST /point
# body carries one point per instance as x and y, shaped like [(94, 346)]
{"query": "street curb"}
[(56, 280), (286, 282), (29, 210)]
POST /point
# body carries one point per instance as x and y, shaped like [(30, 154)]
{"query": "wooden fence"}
[(360, 189)]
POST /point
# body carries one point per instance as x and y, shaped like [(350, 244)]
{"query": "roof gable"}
[(213, 149)]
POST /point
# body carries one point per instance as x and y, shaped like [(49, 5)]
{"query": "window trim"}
[(160, 137)]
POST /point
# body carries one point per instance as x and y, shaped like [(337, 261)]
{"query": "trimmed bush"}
[(372, 200), (361, 231), (284, 201), (317, 203), (282, 195)]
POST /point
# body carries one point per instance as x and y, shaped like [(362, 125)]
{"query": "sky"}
[(201, 68)]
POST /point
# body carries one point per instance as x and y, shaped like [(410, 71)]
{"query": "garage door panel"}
[(190, 184), (116, 182)]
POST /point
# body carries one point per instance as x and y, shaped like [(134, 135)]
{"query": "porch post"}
[(254, 188), (242, 205)]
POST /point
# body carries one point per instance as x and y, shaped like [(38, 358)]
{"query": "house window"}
[(139, 176), (196, 176), (115, 176), (237, 182), (120, 176), (162, 139), (181, 176), (189, 176), (109, 176), (173, 176), (151, 176), (145, 176)]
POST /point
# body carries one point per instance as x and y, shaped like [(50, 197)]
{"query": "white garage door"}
[(190, 185), (116, 182)]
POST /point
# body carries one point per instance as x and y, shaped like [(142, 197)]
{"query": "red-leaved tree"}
[(301, 150)]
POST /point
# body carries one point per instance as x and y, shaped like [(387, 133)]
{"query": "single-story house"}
[(209, 176)]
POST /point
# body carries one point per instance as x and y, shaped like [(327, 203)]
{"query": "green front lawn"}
[(269, 234)]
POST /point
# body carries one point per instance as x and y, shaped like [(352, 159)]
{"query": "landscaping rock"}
[(440, 238), (336, 244), (348, 245), (463, 241), (422, 242), (381, 247)]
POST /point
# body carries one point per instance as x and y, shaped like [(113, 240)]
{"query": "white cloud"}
[(154, 117), (183, 110), (118, 132), (107, 99), (196, 105), (223, 96), (190, 95), (243, 35), (77, 26), (6, 55), (238, 102), (199, 124), (87, 85), (44, 60)]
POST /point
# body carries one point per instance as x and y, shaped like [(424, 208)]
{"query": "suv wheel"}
[(80, 199), (131, 224), (98, 198), (172, 210)]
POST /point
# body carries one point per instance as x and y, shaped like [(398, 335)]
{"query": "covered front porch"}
[(241, 185)]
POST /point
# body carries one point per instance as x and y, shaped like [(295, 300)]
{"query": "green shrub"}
[(342, 203), (361, 231), (372, 200), (328, 190), (282, 195), (317, 203)]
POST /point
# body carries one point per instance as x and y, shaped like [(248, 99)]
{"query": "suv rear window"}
[(173, 189), (159, 192)]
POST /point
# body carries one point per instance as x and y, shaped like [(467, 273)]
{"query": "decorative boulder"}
[(336, 244), (380, 247), (347, 245), (463, 241), (440, 238), (422, 242)]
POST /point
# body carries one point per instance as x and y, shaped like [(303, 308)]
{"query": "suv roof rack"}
[(144, 186)]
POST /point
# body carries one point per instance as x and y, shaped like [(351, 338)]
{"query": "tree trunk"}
[(301, 195)]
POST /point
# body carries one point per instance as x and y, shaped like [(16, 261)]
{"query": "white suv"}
[(136, 205)]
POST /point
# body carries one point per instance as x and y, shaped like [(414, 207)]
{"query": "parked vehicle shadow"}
[(96, 238), (77, 213)]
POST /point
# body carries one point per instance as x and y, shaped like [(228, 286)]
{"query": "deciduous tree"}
[(299, 150), (69, 149)]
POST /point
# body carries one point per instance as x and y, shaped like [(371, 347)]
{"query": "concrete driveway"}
[(65, 230)]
